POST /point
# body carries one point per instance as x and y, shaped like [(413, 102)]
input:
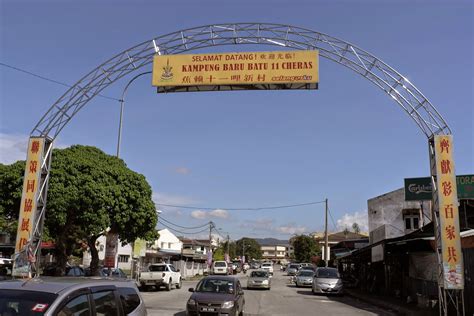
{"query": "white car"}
[(5, 261), (220, 267), (268, 266), (160, 274)]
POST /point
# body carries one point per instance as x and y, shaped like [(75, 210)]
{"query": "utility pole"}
[(326, 251), (228, 246), (243, 249), (209, 255)]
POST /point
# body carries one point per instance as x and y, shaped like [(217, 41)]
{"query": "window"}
[(412, 222), (123, 258), (78, 306), (162, 245), (105, 304), (129, 298), (415, 223), (407, 223), (169, 245)]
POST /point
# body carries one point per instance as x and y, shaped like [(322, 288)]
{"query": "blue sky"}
[(347, 141)]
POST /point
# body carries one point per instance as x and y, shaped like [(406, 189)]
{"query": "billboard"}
[(421, 189), (27, 218), (453, 268), (237, 69)]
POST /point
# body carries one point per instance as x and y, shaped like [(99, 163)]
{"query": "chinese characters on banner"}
[(284, 67), (448, 213), (31, 182), (111, 249)]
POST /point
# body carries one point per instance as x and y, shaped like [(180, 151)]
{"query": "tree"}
[(304, 247), (248, 247), (90, 192), (11, 182), (356, 228)]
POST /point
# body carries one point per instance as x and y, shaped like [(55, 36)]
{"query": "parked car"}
[(47, 296), (304, 278), (71, 271), (327, 281), (114, 273), (160, 274), (216, 295), (293, 268), (220, 267), (259, 279), (254, 265), (267, 266), (308, 268), (5, 261), (6, 271)]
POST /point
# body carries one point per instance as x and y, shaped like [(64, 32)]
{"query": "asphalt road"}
[(282, 299)]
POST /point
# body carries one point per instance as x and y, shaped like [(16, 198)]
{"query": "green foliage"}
[(251, 248), (11, 182), (305, 247), (218, 254), (356, 228), (89, 191)]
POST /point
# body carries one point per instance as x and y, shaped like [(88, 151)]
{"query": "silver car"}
[(304, 278), (293, 268), (70, 296), (259, 279), (327, 281)]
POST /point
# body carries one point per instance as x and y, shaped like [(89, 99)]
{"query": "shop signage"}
[(248, 68), (111, 249), (420, 189), (453, 268)]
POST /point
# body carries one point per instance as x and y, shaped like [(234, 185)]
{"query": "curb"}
[(400, 310)]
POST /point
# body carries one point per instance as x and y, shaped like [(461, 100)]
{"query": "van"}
[(220, 267)]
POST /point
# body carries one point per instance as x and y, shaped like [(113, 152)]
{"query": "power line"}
[(50, 80), (185, 227), (242, 208), (181, 232), (332, 219)]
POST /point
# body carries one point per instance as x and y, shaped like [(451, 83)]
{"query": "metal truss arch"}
[(400, 89)]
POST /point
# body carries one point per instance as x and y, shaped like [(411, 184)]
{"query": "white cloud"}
[(13, 147), (219, 213), (199, 214), (172, 199), (183, 170), (292, 229), (360, 218)]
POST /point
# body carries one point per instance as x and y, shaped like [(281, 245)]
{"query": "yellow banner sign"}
[(448, 213), (26, 220), (250, 68)]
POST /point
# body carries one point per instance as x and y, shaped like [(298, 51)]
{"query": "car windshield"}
[(266, 264), (259, 274), (327, 273), (157, 268), (306, 273), (25, 303), (294, 266), (220, 264), (216, 286)]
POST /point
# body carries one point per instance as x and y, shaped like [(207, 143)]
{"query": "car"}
[(6, 271), (216, 295), (5, 261), (254, 265), (70, 271), (293, 268), (327, 281), (307, 268), (61, 296), (236, 267), (160, 274), (267, 266), (304, 278), (114, 273), (220, 267), (259, 279)]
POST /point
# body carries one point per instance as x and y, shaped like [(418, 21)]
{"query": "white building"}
[(123, 259), (391, 216), (276, 252)]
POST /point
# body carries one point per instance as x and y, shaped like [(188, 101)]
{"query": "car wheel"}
[(168, 286), (179, 284)]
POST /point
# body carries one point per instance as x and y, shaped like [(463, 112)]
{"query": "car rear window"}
[(157, 268), (220, 264), (327, 273), (130, 299), (25, 303)]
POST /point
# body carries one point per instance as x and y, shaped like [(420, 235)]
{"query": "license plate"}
[(150, 282), (208, 309)]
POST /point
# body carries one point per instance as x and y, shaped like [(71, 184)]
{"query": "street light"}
[(122, 102)]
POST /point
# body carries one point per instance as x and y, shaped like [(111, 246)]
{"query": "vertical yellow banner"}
[(31, 184), (448, 213)]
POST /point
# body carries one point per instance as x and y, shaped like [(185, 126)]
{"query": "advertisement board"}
[(421, 189), (111, 248), (453, 268), (248, 68)]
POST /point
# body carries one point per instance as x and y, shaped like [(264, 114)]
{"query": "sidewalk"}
[(390, 303)]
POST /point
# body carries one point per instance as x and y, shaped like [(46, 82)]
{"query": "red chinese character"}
[(28, 205), (450, 232), (30, 184), (35, 147), (25, 224), (452, 255), (263, 56), (235, 77), (261, 78), (33, 166), (447, 188), (444, 145), (186, 79), (271, 56), (22, 242), (449, 211), (210, 78), (281, 56), (445, 166)]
